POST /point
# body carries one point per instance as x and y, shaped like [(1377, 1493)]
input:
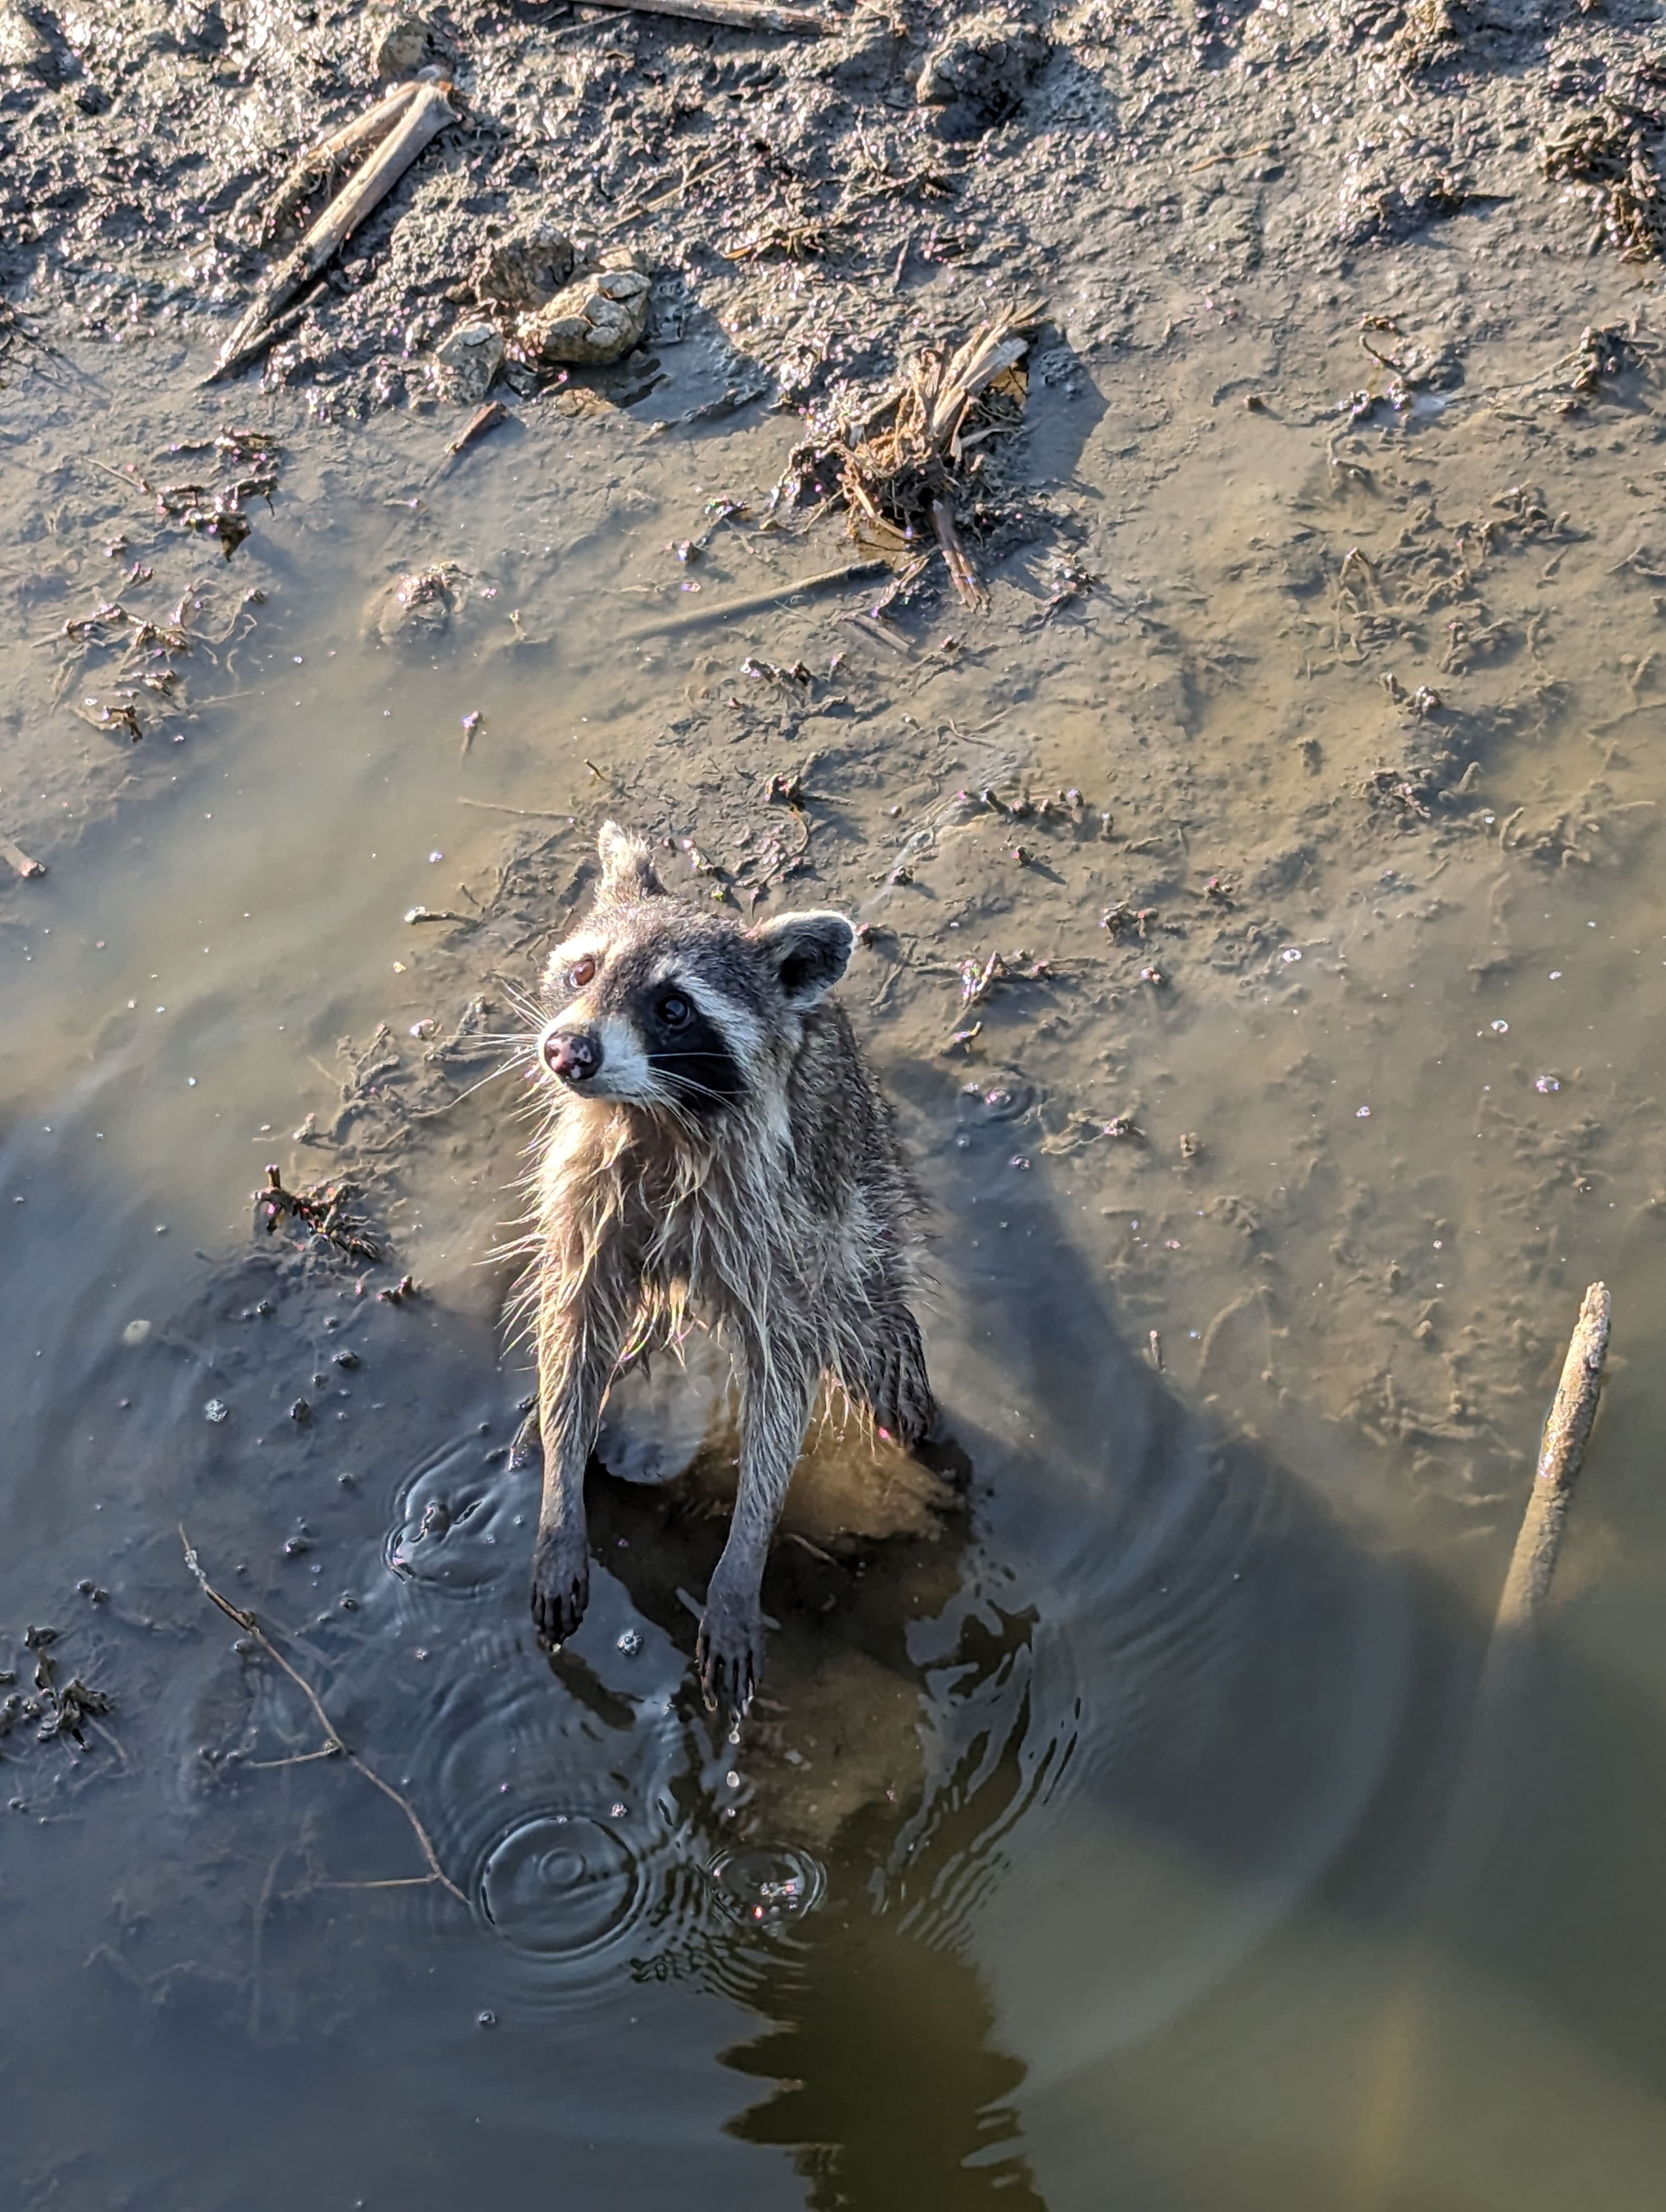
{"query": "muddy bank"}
[(1259, 939)]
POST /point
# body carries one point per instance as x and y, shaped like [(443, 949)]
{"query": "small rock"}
[(465, 362), (411, 612), (24, 45), (526, 269), (592, 322), (397, 42), (978, 75)]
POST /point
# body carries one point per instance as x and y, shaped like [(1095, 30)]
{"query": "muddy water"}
[(1114, 1776)]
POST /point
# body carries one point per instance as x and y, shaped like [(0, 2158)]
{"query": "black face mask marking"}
[(689, 1053)]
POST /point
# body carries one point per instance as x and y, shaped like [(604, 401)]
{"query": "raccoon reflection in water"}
[(716, 1151)]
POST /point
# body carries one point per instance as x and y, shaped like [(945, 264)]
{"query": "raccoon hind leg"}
[(892, 1382)]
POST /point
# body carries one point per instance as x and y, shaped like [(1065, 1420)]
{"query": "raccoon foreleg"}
[(575, 1369), (775, 1414)]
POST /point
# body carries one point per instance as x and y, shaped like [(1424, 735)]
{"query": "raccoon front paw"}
[(729, 1651), (561, 1582)]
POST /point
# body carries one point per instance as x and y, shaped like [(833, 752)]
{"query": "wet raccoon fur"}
[(716, 1151)]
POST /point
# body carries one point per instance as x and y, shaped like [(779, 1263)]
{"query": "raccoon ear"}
[(627, 866), (809, 952)]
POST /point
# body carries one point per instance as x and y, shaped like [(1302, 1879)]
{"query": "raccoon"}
[(716, 1151)]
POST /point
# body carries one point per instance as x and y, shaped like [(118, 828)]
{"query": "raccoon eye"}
[(580, 973), (674, 1011)]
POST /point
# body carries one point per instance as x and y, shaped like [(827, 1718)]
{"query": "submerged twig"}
[(1461, 1853), (1561, 1455), (334, 1746), (753, 602)]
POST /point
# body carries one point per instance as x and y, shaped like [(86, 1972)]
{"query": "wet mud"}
[(1253, 842)]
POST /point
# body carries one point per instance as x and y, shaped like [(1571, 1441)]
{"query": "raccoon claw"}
[(729, 1654), (561, 1583)]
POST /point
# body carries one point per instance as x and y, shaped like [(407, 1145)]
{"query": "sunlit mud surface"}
[(1074, 1853)]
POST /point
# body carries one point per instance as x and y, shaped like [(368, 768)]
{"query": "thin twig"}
[(753, 602), (734, 15), (333, 1744), (526, 813)]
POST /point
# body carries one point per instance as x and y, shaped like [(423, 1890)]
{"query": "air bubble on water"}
[(630, 1643), (1291, 952), (433, 857), (1500, 1028), (760, 1884), (216, 1410), (1546, 1083)]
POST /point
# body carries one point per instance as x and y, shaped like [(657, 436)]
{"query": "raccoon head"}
[(658, 1006)]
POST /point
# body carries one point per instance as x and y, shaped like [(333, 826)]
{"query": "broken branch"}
[(733, 15), (332, 1744), (317, 163), (423, 120)]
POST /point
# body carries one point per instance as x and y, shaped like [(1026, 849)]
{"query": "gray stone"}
[(23, 45), (595, 320), (465, 362)]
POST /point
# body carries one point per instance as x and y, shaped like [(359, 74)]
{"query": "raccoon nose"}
[(573, 1055)]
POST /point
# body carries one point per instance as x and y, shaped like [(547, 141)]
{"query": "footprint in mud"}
[(462, 1520)]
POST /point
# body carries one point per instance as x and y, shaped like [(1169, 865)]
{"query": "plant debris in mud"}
[(1611, 148), (917, 466), (324, 1210), (246, 466), (50, 1710)]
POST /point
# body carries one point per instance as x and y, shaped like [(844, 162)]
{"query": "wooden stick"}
[(1394, 2069), (425, 117), (20, 860), (315, 164), (697, 618), (733, 15), (1561, 1455)]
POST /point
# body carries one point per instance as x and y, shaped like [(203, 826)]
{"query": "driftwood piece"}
[(1499, 1721), (423, 120), (733, 15), (317, 163), (754, 602), (1561, 1453)]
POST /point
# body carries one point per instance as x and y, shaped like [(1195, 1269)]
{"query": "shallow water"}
[(1113, 1791)]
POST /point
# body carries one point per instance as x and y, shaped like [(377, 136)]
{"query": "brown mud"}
[(1250, 802)]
